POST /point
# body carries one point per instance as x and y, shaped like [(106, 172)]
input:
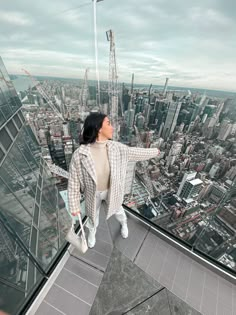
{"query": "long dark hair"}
[(92, 125)]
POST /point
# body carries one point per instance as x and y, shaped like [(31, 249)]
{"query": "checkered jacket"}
[(82, 176)]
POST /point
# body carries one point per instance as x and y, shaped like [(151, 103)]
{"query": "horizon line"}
[(148, 84)]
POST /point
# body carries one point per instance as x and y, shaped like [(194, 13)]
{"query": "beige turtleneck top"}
[(102, 167)]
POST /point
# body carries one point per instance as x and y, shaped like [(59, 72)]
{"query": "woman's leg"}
[(93, 228), (122, 218)]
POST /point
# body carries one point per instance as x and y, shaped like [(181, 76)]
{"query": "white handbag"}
[(79, 242)]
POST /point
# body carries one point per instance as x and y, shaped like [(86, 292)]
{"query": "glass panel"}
[(48, 246), (41, 168), (40, 181), (38, 194), (6, 111), (32, 143), (17, 183), (190, 189), (21, 116), (64, 218), (24, 169), (216, 235), (12, 97), (33, 241), (33, 228), (19, 219), (23, 142), (2, 96), (2, 117), (5, 98), (1, 155), (17, 121), (5, 139), (17, 273), (36, 215), (11, 127)]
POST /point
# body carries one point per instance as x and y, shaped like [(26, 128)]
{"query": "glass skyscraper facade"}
[(33, 218)]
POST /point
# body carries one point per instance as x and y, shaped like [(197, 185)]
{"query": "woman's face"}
[(106, 131)]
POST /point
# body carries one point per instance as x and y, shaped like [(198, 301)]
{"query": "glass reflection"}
[(17, 183), (16, 271), (22, 144), (18, 217), (23, 167)]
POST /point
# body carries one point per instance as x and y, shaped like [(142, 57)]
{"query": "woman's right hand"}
[(75, 213)]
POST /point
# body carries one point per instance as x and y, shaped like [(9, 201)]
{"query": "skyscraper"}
[(191, 188), (225, 130), (33, 220), (165, 87), (187, 177), (171, 119)]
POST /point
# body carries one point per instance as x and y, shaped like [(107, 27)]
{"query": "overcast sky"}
[(191, 42)]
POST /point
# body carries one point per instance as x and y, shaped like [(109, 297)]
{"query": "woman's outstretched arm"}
[(142, 154)]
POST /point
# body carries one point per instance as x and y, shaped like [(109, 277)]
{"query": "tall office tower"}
[(191, 188), (65, 126), (147, 110), (225, 130), (215, 118), (140, 120), (204, 118), (161, 130), (219, 110), (195, 111), (187, 177), (75, 129), (165, 87), (131, 114), (33, 219), (171, 119), (233, 130), (174, 152), (202, 104)]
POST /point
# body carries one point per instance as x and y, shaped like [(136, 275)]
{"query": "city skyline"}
[(193, 45)]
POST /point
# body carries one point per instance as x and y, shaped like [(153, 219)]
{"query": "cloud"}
[(14, 18), (192, 43)]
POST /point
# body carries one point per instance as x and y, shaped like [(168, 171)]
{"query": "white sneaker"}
[(91, 238), (124, 230)]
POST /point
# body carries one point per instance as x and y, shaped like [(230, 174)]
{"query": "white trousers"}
[(100, 197)]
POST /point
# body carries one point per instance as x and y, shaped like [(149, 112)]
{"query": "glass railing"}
[(33, 217), (206, 225)]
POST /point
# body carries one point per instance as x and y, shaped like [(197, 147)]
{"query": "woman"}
[(98, 170)]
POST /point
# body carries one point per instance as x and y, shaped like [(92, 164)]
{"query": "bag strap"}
[(81, 225)]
